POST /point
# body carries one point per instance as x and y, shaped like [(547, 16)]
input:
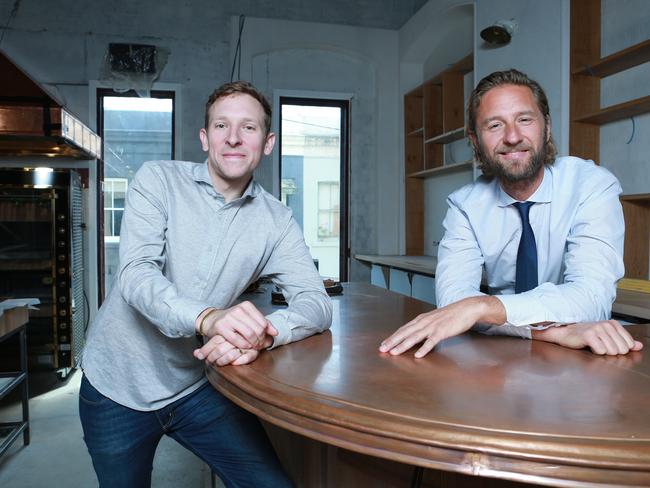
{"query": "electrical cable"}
[(87, 308), (237, 58), (633, 130), (12, 15)]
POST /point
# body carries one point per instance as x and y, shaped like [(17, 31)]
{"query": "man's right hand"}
[(243, 325), (607, 337), (432, 327)]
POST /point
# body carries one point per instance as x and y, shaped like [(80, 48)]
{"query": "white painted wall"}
[(536, 49), (312, 57)]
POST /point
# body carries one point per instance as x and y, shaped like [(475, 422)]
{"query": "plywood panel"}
[(432, 111), (637, 237)]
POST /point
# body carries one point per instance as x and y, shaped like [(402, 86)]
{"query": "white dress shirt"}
[(578, 224)]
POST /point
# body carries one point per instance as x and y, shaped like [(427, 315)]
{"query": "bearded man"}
[(547, 233)]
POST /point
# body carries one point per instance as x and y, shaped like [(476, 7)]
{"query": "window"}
[(114, 197), (314, 153), (328, 209), (133, 130)]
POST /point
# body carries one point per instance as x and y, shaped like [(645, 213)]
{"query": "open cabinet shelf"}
[(618, 61), (434, 115), (447, 168), (587, 116)]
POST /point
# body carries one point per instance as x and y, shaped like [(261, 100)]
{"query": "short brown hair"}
[(510, 77), (235, 88)]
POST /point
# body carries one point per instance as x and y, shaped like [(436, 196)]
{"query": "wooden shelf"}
[(447, 137), (416, 132), (636, 211), (448, 168), (632, 284), (617, 112), (25, 265), (617, 62), (637, 197), (433, 116)]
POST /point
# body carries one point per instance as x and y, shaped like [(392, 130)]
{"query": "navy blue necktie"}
[(526, 276)]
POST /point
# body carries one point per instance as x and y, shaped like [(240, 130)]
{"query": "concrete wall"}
[(356, 63), (62, 45)]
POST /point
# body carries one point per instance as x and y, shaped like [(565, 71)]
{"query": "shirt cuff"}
[(519, 310), (506, 329), (280, 320), (185, 312)]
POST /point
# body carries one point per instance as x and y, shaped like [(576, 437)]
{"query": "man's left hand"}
[(218, 351), (607, 337)]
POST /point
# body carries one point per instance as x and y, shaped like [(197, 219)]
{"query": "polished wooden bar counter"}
[(477, 411)]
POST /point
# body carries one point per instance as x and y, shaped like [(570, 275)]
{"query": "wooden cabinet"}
[(434, 115), (587, 116)]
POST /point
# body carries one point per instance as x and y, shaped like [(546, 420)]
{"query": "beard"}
[(507, 171)]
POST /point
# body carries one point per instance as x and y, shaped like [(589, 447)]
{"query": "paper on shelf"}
[(18, 302)]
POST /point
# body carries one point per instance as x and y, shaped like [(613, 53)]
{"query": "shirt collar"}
[(543, 194), (201, 174)]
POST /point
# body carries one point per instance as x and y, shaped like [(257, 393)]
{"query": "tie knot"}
[(524, 209)]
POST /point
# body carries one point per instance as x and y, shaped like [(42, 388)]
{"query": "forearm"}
[(308, 313), (580, 301), (488, 309), (143, 257), (157, 299)]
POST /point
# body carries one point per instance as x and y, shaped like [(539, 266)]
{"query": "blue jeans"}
[(122, 441)]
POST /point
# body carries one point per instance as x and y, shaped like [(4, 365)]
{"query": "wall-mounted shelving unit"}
[(587, 116), (447, 168), (434, 115)]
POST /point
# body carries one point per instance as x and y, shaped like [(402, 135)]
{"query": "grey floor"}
[(57, 455)]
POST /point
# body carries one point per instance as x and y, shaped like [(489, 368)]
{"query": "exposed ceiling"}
[(385, 14)]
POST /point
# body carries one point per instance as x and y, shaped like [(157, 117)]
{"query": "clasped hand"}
[(237, 335)]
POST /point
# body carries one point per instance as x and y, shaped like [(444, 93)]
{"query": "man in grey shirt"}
[(193, 237)]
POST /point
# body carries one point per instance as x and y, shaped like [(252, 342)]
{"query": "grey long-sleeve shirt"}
[(182, 250)]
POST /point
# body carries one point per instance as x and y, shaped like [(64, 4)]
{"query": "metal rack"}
[(14, 322), (41, 256)]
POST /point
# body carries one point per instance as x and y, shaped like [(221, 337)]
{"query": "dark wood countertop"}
[(489, 406)]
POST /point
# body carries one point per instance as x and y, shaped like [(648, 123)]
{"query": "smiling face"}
[(511, 134), (235, 140)]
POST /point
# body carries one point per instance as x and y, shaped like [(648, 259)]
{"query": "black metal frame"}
[(108, 92), (344, 105), (60, 183), (14, 429)]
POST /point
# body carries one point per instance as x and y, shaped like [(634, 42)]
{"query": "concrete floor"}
[(57, 455)]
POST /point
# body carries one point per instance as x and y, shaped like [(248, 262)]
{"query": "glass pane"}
[(108, 223), (135, 130), (310, 178)]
